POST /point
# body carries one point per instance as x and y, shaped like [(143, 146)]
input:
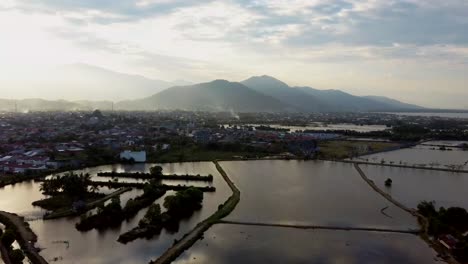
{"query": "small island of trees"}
[(155, 173), (67, 191), (178, 206), (113, 213)]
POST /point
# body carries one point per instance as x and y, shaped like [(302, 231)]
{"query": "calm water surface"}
[(423, 155), (102, 247), (411, 186), (321, 126), (444, 115), (233, 244), (310, 192)]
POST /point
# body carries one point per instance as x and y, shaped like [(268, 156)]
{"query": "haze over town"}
[(414, 51)]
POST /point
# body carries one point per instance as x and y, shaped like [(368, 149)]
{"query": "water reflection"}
[(423, 155), (411, 186), (102, 246), (232, 244), (310, 192)]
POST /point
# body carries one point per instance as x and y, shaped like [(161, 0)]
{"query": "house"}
[(448, 241), (137, 156)]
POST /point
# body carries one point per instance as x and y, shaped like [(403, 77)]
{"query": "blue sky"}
[(416, 50)]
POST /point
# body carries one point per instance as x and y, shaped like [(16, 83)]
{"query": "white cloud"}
[(344, 42)]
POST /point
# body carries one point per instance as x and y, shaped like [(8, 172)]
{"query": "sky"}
[(414, 50)]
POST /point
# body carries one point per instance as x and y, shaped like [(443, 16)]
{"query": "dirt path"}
[(25, 236), (421, 219), (403, 166), (370, 229), (190, 238)]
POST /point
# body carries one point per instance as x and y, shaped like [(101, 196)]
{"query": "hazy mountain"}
[(281, 91), (35, 104), (343, 101), (218, 95), (92, 105), (394, 103), (310, 99), (256, 94), (86, 82)]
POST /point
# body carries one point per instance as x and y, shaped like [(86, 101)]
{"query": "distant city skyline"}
[(415, 51)]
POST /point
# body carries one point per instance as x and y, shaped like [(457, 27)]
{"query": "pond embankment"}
[(190, 238), (24, 235)]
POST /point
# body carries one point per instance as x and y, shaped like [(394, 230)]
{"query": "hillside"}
[(314, 100), (218, 95), (281, 91)]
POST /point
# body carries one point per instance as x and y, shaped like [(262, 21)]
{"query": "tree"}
[(388, 182), (17, 256), (427, 208), (8, 238), (156, 170)]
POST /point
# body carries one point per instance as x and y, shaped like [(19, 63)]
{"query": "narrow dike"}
[(342, 228), (424, 234), (403, 166), (24, 235), (191, 237)]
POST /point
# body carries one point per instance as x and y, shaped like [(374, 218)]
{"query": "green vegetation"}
[(388, 182), (451, 221), (71, 184), (178, 206), (26, 242), (156, 170), (193, 152), (8, 238), (140, 185), (113, 213), (197, 233), (61, 201), (149, 176), (68, 192), (16, 256), (337, 149)]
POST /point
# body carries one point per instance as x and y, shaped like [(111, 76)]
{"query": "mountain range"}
[(256, 94), (261, 94)]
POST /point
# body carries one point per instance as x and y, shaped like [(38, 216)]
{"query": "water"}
[(452, 143), (411, 186), (102, 247), (443, 115), (310, 193), (232, 244), (289, 192), (423, 155), (321, 126)]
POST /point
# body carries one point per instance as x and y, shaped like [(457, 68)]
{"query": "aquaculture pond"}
[(318, 126), (62, 243), (411, 186), (310, 193), (232, 244), (423, 155)]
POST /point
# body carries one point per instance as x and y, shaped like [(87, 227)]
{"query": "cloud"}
[(232, 38)]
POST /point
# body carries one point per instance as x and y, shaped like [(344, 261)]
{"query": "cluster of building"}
[(44, 140)]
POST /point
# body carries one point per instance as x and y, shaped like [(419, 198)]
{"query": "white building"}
[(137, 156)]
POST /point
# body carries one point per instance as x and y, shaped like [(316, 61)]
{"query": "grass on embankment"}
[(340, 149), (200, 154)]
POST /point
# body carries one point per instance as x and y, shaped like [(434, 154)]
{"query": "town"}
[(39, 141)]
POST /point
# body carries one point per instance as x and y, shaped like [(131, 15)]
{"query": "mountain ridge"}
[(255, 94)]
